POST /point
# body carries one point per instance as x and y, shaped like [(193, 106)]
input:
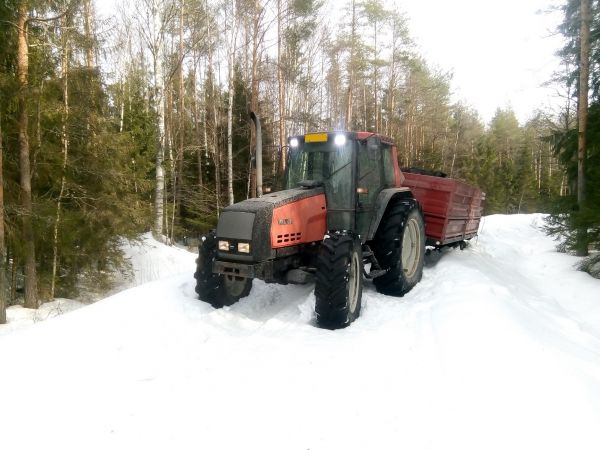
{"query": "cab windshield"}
[(324, 162)]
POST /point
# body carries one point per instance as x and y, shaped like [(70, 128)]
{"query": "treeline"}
[(576, 139), (110, 129)]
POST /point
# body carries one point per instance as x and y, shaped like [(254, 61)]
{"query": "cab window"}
[(369, 172), (388, 165)]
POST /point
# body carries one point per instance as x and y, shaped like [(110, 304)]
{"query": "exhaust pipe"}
[(259, 171)]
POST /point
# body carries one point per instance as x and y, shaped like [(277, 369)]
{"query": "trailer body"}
[(452, 208)]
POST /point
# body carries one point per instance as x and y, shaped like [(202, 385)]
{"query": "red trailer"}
[(452, 208)]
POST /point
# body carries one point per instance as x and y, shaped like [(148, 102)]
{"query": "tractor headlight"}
[(294, 143), (224, 246), (339, 139), (244, 247)]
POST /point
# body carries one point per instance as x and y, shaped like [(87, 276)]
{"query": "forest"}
[(113, 128)]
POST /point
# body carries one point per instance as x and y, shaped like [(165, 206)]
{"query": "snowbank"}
[(19, 317), (497, 348), (150, 260)]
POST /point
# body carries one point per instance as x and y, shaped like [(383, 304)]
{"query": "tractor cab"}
[(353, 168)]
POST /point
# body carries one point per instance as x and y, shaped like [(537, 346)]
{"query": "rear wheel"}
[(338, 285), (399, 246), (218, 290)]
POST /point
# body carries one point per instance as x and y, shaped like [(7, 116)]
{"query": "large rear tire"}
[(399, 247), (218, 290), (338, 284)]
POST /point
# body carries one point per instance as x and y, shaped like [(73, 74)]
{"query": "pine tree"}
[(577, 216)]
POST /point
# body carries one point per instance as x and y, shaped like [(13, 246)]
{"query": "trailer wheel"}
[(218, 290), (399, 246), (338, 285)]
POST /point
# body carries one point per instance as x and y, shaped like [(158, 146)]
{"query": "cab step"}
[(374, 273)]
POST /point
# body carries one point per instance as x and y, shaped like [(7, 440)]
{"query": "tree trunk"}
[(211, 71), (89, 48), (217, 150), (254, 95), (582, 115), (3, 280), (375, 88), (201, 136), (122, 108), (391, 91), (348, 124), (178, 166), (13, 279), (281, 98), (159, 198), (65, 150), (169, 145), (454, 153), (231, 71), (90, 64), (230, 137), (24, 163), (37, 148)]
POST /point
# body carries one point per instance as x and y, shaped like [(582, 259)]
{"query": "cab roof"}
[(353, 135)]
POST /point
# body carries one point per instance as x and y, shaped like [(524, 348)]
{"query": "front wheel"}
[(399, 246), (338, 284), (233, 288), (218, 290)]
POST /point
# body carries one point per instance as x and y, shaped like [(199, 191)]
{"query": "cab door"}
[(375, 172), (370, 182)]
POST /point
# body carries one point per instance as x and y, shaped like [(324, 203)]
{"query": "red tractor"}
[(345, 206)]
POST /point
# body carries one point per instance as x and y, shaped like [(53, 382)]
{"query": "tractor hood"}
[(272, 222)]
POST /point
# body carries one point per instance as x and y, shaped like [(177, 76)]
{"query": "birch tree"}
[(153, 19), (280, 87), (231, 45), (351, 63)]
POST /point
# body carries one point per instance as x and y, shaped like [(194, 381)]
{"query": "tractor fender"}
[(381, 204)]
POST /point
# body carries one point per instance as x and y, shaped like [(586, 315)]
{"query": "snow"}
[(149, 259), (498, 347), (19, 317)]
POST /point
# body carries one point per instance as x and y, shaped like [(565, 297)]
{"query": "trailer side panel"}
[(452, 208)]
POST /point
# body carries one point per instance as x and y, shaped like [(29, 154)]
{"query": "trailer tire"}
[(218, 290), (338, 283), (399, 247)]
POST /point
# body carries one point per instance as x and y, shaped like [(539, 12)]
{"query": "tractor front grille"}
[(288, 237)]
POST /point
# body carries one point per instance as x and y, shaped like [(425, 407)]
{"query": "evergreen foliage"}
[(569, 217)]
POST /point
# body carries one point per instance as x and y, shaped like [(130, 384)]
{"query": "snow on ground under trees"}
[(498, 347)]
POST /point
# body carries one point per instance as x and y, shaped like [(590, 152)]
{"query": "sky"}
[(500, 52)]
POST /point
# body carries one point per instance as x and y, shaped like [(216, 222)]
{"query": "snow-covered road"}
[(497, 348)]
